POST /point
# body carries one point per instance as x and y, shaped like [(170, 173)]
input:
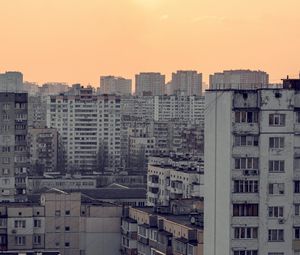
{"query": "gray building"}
[(150, 83), (11, 82), (187, 83), (14, 156)]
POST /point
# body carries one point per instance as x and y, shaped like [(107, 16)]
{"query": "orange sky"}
[(79, 40)]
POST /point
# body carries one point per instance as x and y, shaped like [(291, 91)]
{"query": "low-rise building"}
[(60, 223), (174, 230)]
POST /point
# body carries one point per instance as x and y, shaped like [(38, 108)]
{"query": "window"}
[(297, 209), (5, 160), (276, 188), (298, 117), (20, 224), (275, 211), (246, 163), (20, 240), (57, 213), (246, 140), (276, 235), (37, 223), (297, 233), (296, 186), (276, 142), (245, 186), (275, 253), (276, 166), (67, 244), (246, 117), (245, 233), (245, 252), (37, 239), (67, 228), (244, 210), (276, 119), (67, 212)]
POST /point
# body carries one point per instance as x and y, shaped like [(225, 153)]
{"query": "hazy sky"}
[(79, 40)]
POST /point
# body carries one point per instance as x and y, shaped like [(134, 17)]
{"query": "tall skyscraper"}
[(14, 156), (115, 85), (239, 79), (252, 171), (152, 84), (11, 82), (187, 83)]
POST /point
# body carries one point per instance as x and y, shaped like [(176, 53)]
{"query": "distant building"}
[(53, 88), (89, 125), (174, 178), (175, 229), (63, 182), (239, 79), (140, 148), (115, 85), (14, 156), (37, 112), (187, 83), (11, 82), (151, 84), (46, 152)]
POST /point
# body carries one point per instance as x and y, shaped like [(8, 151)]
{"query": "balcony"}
[(143, 240), (245, 128), (245, 197), (297, 152), (153, 184), (128, 251), (247, 220), (196, 190)]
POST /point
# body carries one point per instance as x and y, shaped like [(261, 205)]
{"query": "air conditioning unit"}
[(14, 231), (281, 220)]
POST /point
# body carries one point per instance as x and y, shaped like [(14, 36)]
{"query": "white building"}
[(187, 83), (173, 178), (183, 108), (252, 171), (90, 129), (115, 85), (239, 79), (151, 84)]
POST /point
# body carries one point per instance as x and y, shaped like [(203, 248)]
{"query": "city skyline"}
[(78, 41)]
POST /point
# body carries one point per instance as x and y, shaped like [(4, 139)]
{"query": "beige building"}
[(68, 223)]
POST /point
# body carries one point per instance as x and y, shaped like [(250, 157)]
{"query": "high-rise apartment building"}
[(11, 82), (181, 108), (89, 125), (37, 111), (115, 85), (14, 156), (252, 171), (151, 84), (187, 83), (239, 79), (46, 154)]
